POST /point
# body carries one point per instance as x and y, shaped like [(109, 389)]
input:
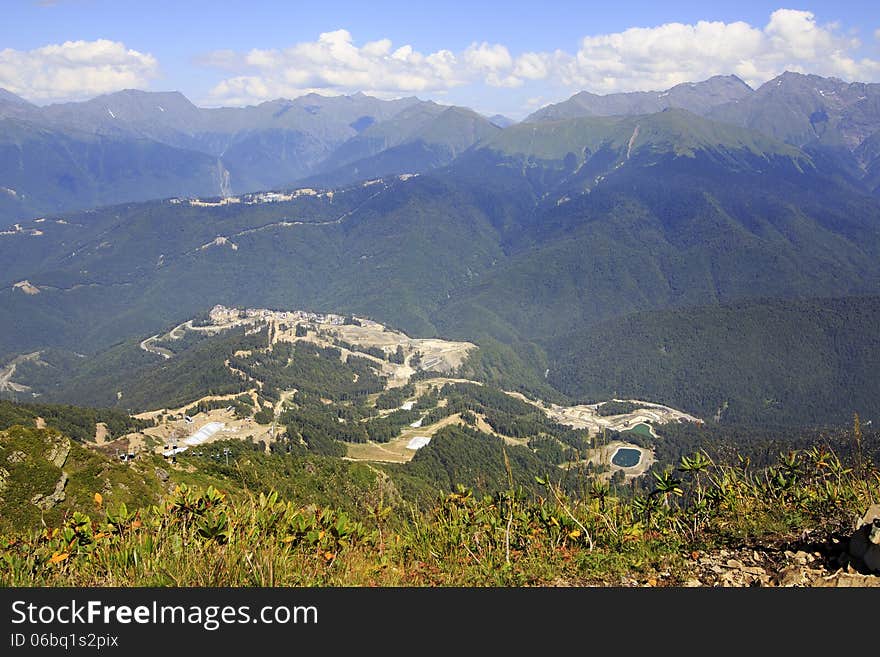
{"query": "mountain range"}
[(605, 245), (827, 117), (135, 145)]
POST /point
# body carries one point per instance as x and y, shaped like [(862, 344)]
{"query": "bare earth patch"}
[(101, 433)]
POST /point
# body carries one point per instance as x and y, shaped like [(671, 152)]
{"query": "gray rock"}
[(46, 502), (58, 451)]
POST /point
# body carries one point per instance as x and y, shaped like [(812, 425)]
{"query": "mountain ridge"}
[(696, 97), (337, 140)]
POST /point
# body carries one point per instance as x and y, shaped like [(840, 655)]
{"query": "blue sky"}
[(496, 57)]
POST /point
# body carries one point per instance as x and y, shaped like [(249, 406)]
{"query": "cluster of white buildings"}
[(222, 315), (254, 199)]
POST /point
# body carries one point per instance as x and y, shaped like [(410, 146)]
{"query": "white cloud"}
[(75, 70), (532, 66), (659, 57), (486, 57), (639, 58), (334, 64), (331, 65)]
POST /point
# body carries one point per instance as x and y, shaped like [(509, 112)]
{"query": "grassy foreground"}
[(204, 538)]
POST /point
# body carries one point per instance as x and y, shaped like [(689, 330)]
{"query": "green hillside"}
[(418, 139), (52, 170), (769, 362), (343, 525), (673, 131), (46, 477)]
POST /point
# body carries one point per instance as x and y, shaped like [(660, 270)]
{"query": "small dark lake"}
[(626, 458)]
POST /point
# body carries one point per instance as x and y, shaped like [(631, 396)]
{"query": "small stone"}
[(790, 576), (730, 579)]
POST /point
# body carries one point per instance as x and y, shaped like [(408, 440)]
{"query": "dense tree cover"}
[(398, 357), (357, 422), (761, 445), (394, 397), (310, 368), (461, 455), (468, 418), (322, 426), (507, 362), (127, 377), (768, 361), (383, 429), (302, 474), (265, 414), (506, 414), (186, 340), (242, 406), (56, 170), (429, 399), (75, 421), (199, 368), (551, 450), (320, 443)]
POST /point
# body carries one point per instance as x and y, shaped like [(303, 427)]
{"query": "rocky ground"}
[(804, 562)]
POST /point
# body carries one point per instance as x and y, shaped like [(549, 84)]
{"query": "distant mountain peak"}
[(7, 96), (810, 110), (501, 121), (696, 97)]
